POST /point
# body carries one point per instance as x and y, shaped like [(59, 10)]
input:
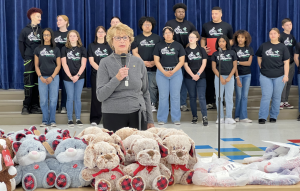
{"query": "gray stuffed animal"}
[(68, 164), (55, 134), (33, 171)]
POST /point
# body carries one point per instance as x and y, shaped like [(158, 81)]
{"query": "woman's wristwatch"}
[(78, 75), (198, 74)]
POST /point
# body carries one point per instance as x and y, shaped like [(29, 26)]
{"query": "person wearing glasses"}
[(123, 90)]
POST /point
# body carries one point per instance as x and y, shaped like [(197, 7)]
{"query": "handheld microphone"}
[(123, 59), (220, 50)]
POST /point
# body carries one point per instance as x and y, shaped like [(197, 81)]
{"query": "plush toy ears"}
[(164, 151), (118, 141), (54, 144), (119, 152), (16, 146), (66, 133), (41, 138), (47, 129), (32, 129), (192, 151), (110, 132), (1, 133), (89, 156), (20, 136), (83, 140)]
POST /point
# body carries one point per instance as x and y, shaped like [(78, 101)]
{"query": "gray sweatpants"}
[(286, 90)]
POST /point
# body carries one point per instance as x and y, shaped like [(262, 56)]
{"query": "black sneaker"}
[(298, 118), (272, 120), (194, 120), (205, 121), (25, 111), (78, 122), (35, 109), (261, 121), (71, 123)]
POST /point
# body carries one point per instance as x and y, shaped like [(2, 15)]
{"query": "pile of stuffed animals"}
[(125, 160)]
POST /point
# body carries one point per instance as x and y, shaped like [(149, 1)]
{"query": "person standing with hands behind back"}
[(74, 57)]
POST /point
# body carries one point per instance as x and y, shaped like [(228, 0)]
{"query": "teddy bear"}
[(181, 158), (148, 172), (149, 135), (93, 130), (170, 131), (32, 170), (130, 157), (103, 160), (7, 169), (155, 130), (125, 132), (68, 164)]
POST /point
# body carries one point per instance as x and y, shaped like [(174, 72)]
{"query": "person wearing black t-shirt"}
[(273, 60), (169, 57), (296, 59), (182, 28), (29, 39), (96, 51), (73, 58), (143, 46), (290, 42), (228, 67), (195, 62), (47, 66), (60, 38), (244, 52), (212, 30)]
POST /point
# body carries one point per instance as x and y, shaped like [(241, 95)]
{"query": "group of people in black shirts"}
[(175, 65)]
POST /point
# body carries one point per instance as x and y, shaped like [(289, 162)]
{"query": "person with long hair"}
[(60, 38), (228, 68), (74, 57), (97, 50), (195, 63), (244, 51), (47, 65), (273, 61)]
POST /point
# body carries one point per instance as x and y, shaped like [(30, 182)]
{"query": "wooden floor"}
[(200, 188)]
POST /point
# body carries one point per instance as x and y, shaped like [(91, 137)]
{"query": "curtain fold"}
[(255, 16)]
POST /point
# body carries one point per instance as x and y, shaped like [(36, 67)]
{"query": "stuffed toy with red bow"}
[(181, 158), (148, 172), (103, 160), (33, 172), (68, 163)]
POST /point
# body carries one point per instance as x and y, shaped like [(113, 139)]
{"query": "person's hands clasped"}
[(285, 79), (223, 82), (49, 80), (168, 73), (196, 77), (227, 80), (75, 78), (43, 80), (123, 73)]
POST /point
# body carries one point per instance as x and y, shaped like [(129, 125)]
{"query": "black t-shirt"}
[(297, 51), (181, 30), (60, 38), (98, 51), (273, 55), (214, 30), (146, 46), (290, 42), (194, 58), (47, 58), (30, 40), (243, 54), (169, 57), (227, 58), (73, 56)]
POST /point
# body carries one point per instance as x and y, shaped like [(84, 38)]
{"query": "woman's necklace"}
[(74, 49), (35, 32), (169, 45), (127, 77)]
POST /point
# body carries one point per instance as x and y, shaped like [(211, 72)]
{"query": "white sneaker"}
[(53, 124), (177, 123), (230, 121), (281, 105), (43, 124), (246, 120), (237, 119), (222, 121), (161, 123), (209, 106), (153, 108), (94, 124), (63, 110)]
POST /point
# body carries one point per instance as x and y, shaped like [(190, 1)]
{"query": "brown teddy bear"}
[(7, 169), (103, 162), (130, 157), (149, 135), (168, 132), (181, 158), (125, 132), (93, 130), (148, 172), (155, 130)]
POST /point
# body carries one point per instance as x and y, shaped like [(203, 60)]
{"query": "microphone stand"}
[(219, 108)]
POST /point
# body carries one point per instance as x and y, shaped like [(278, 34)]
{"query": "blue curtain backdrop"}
[(255, 16)]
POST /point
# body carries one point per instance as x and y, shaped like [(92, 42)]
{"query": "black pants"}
[(95, 113), (31, 88), (114, 122), (210, 83)]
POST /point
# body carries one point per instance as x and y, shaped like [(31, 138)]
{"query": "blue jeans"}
[(153, 90), (183, 90), (298, 79), (271, 88), (74, 91), (169, 86), (51, 91), (241, 97), (229, 88), (194, 88)]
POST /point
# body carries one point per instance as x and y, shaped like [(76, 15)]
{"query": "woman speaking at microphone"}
[(122, 84)]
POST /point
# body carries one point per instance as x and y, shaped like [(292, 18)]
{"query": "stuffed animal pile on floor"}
[(125, 160)]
